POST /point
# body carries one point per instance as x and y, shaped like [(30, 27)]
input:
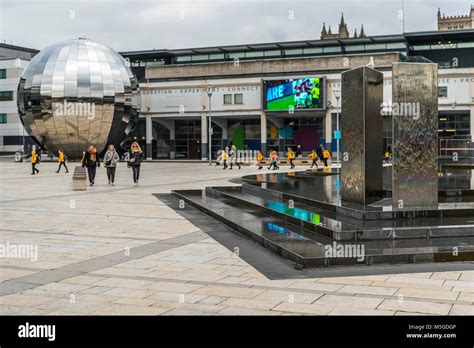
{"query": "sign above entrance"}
[(194, 90), (193, 99)]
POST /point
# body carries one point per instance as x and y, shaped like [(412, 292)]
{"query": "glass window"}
[(12, 140), (442, 91), (6, 95), (236, 55), (421, 47), (294, 51), (180, 59), (200, 57), (3, 118), (254, 54), (355, 48), (215, 56), (3, 73), (454, 125), (332, 49), (313, 50), (227, 99), (238, 98), (381, 46), (465, 44), (272, 53), (396, 45), (251, 129), (155, 63)]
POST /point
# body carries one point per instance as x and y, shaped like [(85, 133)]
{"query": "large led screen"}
[(299, 93)]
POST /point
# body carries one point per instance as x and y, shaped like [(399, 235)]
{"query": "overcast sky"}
[(127, 25)]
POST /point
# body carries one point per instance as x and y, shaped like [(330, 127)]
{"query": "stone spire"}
[(342, 20), (362, 32), (355, 32), (324, 32), (343, 32)]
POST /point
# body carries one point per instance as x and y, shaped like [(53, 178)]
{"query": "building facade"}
[(179, 88), (175, 86), (13, 60)]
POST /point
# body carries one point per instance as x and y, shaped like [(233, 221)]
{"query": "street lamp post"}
[(209, 94), (337, 95), (23, 139)]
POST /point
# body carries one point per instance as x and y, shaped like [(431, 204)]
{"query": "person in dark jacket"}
[(90, 159), (135, 161), (111, 159), (299, 152), (319, 151)]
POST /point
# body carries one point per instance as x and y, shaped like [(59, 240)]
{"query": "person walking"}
[(326, 156), (111, 159), (319, 151), (90, 160), (314, 157), (299, 152), (224, 157), (135, 161), (273, 160), (259, 159), (233, 157), (219, 159), (62, 161), (388, 155), (34, 162), (291, 157)]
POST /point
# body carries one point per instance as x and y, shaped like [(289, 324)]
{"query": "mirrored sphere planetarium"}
[(78, 92)]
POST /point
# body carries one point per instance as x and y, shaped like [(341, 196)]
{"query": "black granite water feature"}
[(299, 214)]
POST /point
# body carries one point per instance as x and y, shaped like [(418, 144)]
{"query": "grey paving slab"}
[(12, 287), (172, 252), (69, 271)]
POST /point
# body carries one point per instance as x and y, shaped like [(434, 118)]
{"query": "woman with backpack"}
[(135, 161), (224, 157), (314, 157), (273, 160), (326, 156), (291, 157), (62, 161), (34, 162), (111, 159), (259, 160)]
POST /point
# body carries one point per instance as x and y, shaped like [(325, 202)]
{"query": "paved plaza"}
[(122, 251)]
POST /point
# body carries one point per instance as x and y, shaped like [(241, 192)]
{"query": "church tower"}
[(343, 32), (456, 22)]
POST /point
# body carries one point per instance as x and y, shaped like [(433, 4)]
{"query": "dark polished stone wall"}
[(362, 140), (415, 135)]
